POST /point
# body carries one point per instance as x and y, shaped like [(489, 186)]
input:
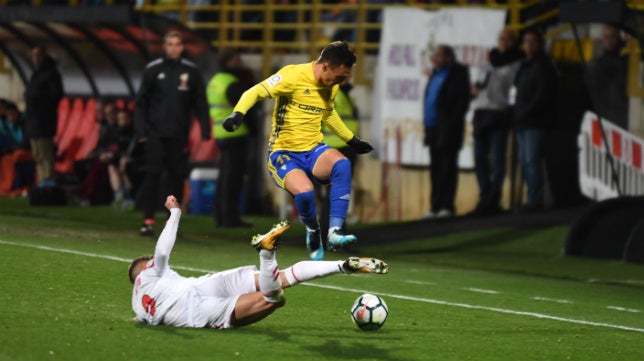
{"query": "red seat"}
[(89, 142), (86, 125), (63, 118), (73, 123), (200, 150)]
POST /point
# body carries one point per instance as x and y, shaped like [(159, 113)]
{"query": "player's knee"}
[(341, 171), (304, 200)]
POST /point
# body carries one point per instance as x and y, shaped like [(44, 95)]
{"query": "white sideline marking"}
[(95, 255), (632, 310), (421, 282), (392, 295), (493, 309), (537, 298), (481, 290)]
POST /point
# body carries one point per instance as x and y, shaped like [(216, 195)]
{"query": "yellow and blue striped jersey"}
[(301, 105)]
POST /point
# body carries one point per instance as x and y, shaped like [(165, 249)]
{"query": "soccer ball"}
[(369, 312)]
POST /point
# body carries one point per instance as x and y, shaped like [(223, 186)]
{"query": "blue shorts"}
[(282, 162)]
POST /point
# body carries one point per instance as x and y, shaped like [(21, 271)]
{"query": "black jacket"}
[(171, 93), (536, 93), (43, 93), (453, 102), (607, 79)]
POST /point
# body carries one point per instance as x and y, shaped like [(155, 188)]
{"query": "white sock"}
[(332, 229), (270, 282), (307, 270)]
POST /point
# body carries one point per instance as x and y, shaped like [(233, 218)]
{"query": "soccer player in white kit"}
[(230, 298)]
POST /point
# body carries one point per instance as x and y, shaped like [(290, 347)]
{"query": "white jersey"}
[(160, 294)]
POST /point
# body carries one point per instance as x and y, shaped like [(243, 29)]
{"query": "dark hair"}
[(338, 53), (537, 34), (225, 55), (134, 266), (11, 106), (448, 51)]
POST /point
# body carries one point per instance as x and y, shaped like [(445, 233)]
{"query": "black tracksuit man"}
[(171, 92)]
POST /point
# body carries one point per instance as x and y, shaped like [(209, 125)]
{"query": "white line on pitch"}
[(623, 309), (481, 290), (547, 299), (485, 308), (392, 295), (421, 282)]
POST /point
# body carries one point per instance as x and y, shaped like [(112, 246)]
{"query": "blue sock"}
[(305, 205), (340, 193), (335, 223)]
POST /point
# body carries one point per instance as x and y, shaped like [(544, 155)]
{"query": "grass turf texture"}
[(500, 294)]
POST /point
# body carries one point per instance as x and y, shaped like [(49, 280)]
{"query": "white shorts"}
[(217, 294)]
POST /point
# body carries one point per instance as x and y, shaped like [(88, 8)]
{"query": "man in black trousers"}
[(172, 90), (223, 91), (446, 100)]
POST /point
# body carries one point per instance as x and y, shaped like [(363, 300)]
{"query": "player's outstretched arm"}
[(168, 235)]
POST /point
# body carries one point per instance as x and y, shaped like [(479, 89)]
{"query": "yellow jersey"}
[(301, 106)]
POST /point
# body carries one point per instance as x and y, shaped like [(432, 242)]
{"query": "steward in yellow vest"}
[(349, 115), (223, 91)]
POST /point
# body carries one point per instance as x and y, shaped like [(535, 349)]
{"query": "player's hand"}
[(171, 202), (233, 121), (359, 145)]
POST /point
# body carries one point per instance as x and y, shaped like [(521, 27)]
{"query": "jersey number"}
[(149, 304), (283, 159)]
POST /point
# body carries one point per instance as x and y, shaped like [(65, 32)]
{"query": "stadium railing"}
[(229, 23)]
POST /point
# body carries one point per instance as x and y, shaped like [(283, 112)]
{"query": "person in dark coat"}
[(44, 92), (607, 78), (447, 98), (172, 92), (492, 123), (534, 111)]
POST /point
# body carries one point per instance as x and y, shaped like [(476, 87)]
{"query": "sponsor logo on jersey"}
[(183, 81), (308, 108), (274, 80)]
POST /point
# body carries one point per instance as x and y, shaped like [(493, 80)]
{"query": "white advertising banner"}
[(408, 38), (596, 172)]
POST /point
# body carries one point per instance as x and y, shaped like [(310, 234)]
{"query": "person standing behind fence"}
[(224, 90), (44, 92), (607, 77), (492, 121), (447, 98), (172, 89), (534, 96)]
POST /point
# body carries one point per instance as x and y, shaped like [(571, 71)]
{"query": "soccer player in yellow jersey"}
[(297, 156)]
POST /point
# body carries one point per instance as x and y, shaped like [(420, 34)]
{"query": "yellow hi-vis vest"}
[(344, 106), (220, 108)]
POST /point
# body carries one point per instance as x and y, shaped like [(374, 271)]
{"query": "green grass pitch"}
[(501, 294)]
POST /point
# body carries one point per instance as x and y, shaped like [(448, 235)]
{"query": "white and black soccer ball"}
[(369, 312)]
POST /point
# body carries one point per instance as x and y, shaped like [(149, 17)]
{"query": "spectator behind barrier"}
[(44, 91), (534, 97), (17, 171), (95, 186), (446, 100), (492, 121), (121, 184), (606, 79)]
